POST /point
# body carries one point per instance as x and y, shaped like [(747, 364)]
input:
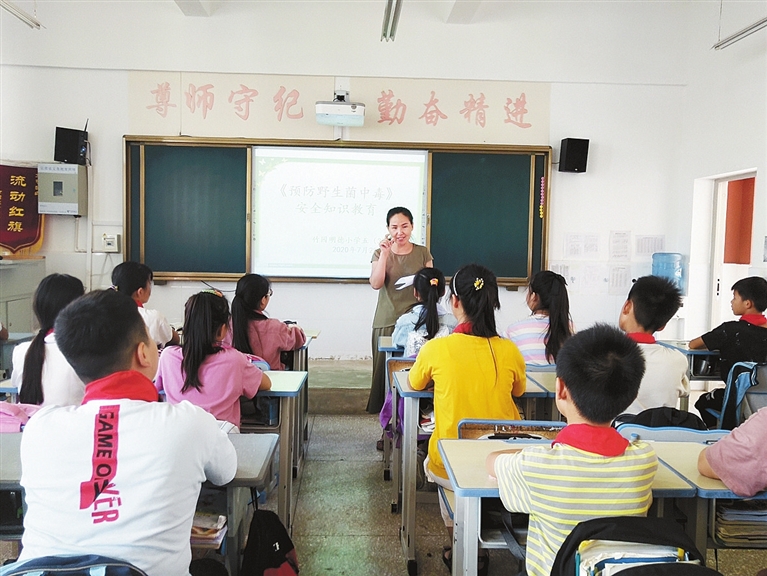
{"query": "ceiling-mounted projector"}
[(340, 112)]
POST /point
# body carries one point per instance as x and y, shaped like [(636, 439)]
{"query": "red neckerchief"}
[(126, 385), (49, 332), (139, 304), (641, 337), (463, 328), (755, 319), (600, 440)]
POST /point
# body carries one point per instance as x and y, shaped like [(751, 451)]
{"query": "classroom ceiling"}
[(461, 11)]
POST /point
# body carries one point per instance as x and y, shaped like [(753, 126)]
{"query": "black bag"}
[(269, 551), (663, 416), (72, 566), (639, 529)]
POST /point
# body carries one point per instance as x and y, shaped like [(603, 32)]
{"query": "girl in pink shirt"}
[(204, 370), (253, 331)]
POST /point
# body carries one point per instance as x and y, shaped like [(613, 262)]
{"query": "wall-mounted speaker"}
[(71, 146), (573, 154)]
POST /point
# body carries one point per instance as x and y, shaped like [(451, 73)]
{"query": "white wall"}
[(638, 79)]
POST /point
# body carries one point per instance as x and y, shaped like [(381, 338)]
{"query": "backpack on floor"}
[(90, 565), (269, 551)]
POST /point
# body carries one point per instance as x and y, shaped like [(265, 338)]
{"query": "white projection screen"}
[(319, 213)]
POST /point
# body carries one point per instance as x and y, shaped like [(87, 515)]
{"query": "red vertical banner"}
[(21, 226)]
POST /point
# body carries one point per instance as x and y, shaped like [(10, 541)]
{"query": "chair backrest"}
[(506, 429), (669, 433), (396, 364), (756, 395), (263, 365), (740, 382)]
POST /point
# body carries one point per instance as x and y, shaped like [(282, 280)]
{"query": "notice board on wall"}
[(194, 207)]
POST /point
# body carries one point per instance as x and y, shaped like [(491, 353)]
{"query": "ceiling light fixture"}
[(28, 19), (747, 31), (391, 19)]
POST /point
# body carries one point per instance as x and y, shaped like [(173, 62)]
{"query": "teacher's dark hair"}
[(399, 210), (51, 297), (251, 289), (98, 334), (477, 288)]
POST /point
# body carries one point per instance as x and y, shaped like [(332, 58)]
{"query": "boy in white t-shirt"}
[(651, 303), (120, 475), (135, 280)]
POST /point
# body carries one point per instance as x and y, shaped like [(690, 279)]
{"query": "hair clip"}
[(213, 291), (113, 287), (434, 282), (479, 283)]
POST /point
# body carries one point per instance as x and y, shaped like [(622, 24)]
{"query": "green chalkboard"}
[(195, 209), (188, 206), (481, 212)]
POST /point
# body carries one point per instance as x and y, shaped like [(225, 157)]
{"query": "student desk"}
[(546, 378), (6, 351), (465, 464), (409, 458), (682, 457), (701, 364), (385, 345), (301, 364), (10, 391), (255, 453), (287, 386)]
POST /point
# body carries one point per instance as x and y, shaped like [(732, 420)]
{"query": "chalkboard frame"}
[(540, 177)]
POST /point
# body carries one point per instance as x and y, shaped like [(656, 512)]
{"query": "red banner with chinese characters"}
[(21, 227)]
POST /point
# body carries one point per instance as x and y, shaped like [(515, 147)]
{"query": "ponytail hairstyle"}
[(51, 297), (477, 289), (204, 315), (129, 276), (429, 284), (551, 289), (251, 289)]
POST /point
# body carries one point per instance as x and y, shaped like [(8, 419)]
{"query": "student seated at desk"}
[(135, 280), (118, 476), (743, 340), (740, 458), (426, 320), (540, 336), (205, 371), (651, 303), (253, 332), (41, 374), (589, 470), (474, 371)]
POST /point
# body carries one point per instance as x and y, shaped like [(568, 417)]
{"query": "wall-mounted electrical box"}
[(62, 189)]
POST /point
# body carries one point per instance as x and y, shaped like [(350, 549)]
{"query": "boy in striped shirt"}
[(589, 470)]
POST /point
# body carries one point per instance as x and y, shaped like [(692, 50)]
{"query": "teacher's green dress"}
[(392, 304)]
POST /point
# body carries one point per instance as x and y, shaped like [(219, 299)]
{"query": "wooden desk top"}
[(254, 453), (385, 345), (465, 464), (546, 380), (285, 382), (683, 458)]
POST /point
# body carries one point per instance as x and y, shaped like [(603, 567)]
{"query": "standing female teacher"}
[(396, 258)]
